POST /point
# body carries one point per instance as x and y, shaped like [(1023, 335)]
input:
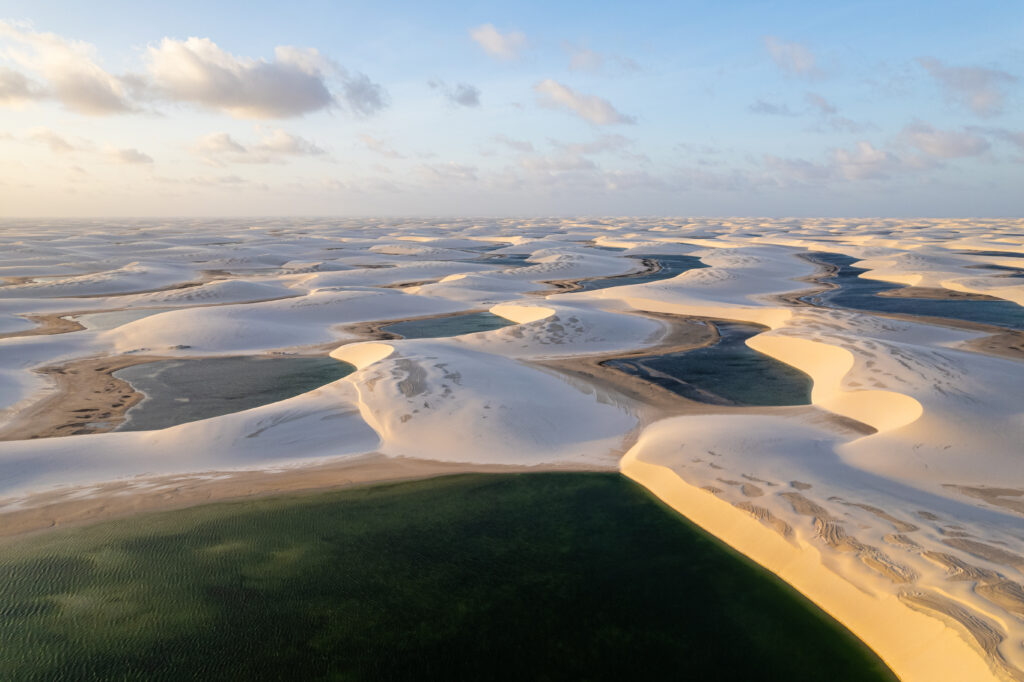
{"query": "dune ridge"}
[(904, 524)]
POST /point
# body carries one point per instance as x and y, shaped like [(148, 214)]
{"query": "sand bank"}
[(87, 398), (118, 499), (47, 324)]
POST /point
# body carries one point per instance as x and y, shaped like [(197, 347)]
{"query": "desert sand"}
[(894, 500)]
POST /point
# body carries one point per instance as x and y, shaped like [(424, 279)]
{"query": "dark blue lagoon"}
[(855, 292), (728, 372), (668, 266), (453, 325), (179, 391)]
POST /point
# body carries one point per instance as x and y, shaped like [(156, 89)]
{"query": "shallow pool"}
[(454, 325), (179, 391), (728, 372)]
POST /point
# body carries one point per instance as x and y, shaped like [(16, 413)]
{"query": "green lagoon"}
[(473, 577)]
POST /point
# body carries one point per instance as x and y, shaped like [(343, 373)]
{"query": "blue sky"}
[(742, 108)]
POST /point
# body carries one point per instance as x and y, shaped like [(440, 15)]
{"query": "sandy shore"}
[(48, 324), (652, 402), (70, 506), (567, 286), (87, 398), (904, 632)]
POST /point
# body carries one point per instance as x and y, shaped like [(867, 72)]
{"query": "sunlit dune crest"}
[(894, 499)]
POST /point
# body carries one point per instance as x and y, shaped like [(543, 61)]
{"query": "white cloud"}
[(786, 171), (590, 107), (1014, 137), (557, 163), (218, 143), (498, 44), (218, 148), (379, 146), (463, 94), (55, 142), (197, 71), (281, 142), (599, 145), (518, 145), (979, 89), (793, 58), (130, 156), (865, 162), (822, 105), (16, 88), (582, 58), (69, 69), (829, 114), (445, 173), (944, 144), (770, 109), (295, 82), (361, 95)]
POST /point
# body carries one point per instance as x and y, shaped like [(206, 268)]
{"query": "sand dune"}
[(894, 501)]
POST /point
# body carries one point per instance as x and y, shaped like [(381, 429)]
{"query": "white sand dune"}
[(904, 523)]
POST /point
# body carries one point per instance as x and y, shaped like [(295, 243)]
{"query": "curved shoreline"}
[(82, 505), (918, 648), (86, 398)]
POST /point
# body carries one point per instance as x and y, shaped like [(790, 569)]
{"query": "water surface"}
[(729, 372), (669, 266), (179, 391), (454, 325), (500, 577), (858, 293)]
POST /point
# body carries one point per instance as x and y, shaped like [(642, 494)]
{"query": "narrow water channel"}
[(857, 293), (668, 267)]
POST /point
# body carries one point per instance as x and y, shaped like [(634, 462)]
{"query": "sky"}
[(189, 108)]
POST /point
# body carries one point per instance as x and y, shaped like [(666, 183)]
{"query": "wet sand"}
[(48, 324), (79, 505), (567, 286), (87, 399)]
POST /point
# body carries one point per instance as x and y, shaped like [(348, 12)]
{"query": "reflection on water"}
[(728, 372), (179, 391), (455, 325), (669, 266), (853, 291), (114, 318)]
